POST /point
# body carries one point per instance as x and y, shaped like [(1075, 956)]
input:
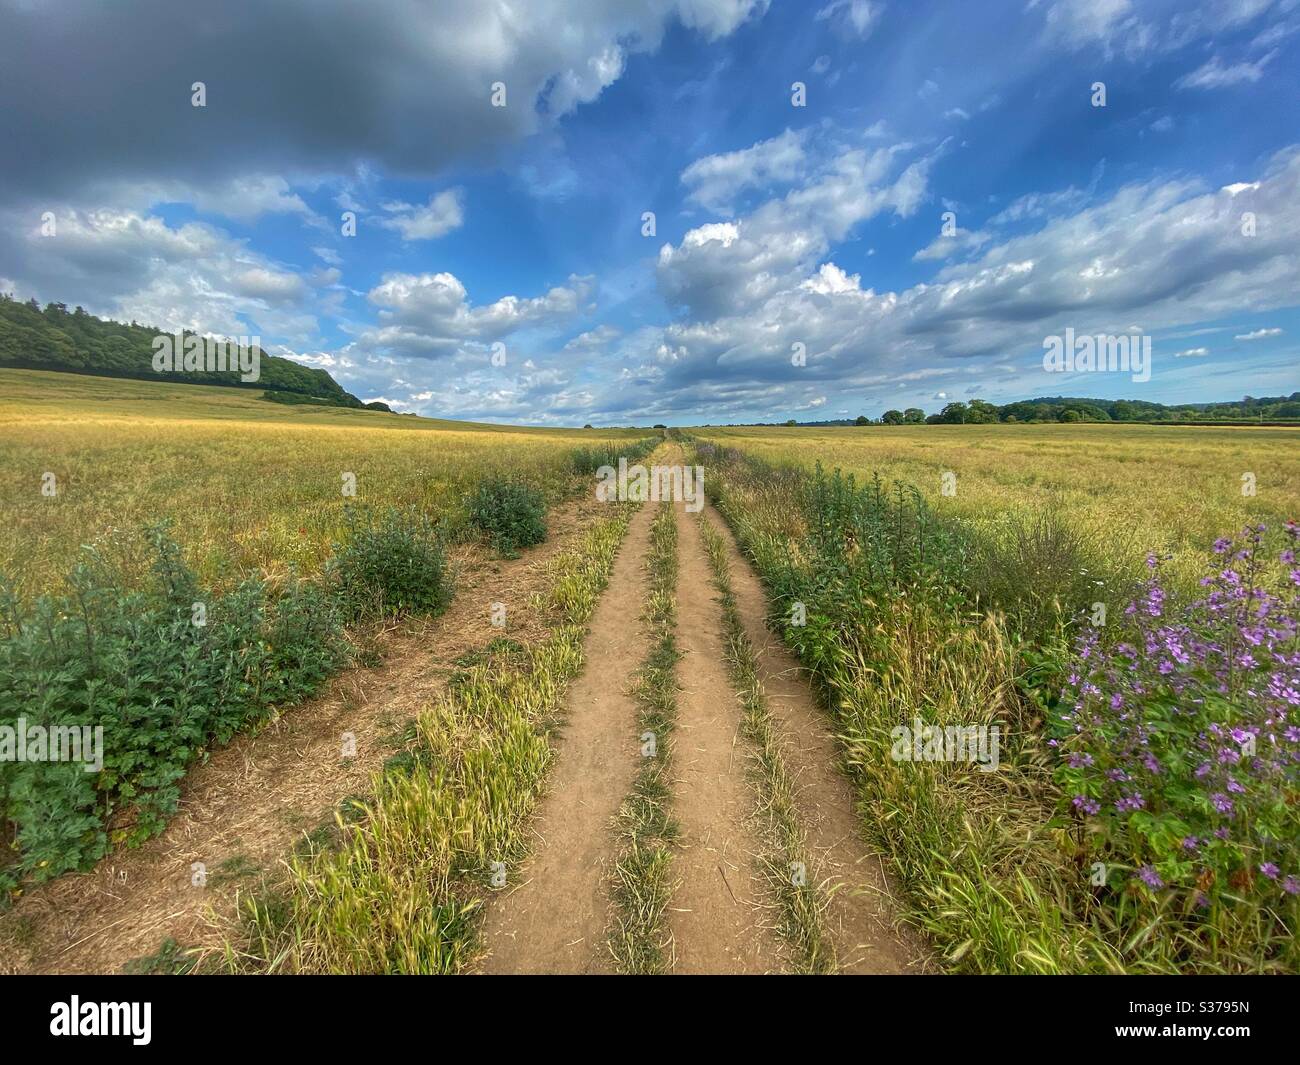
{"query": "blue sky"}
[(777, 227)]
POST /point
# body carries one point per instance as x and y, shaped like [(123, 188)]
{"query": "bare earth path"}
[(861, 909), (243, 811), (555, 920), (716, 917)]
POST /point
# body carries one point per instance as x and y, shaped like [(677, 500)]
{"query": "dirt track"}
[(243, 810), (861, 906), (554, 920), (719, 915)]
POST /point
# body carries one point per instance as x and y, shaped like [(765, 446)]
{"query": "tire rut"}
[(556, 919), (717, 914), (861, 915)]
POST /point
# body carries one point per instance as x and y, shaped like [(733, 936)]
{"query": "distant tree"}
[(980, 412), (914, 416), (660, 425), (952, 414), (587, 426), (861, 419), (1084, 412), (892, 417), (791, 422)]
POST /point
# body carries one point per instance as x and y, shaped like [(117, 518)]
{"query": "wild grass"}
[(993, 869), (641, 881), (801, 901), (248, 485), (994, 885), (1123, 489), (403, 889)]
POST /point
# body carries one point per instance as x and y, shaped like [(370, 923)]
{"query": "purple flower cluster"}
[(1181, 741)]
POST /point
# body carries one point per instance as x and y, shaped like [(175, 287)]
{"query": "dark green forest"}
[(76, 342)]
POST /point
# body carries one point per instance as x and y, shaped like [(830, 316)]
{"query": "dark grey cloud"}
[(99, 93)]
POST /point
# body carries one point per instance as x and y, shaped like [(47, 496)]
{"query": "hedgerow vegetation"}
[(169, 668), (910, 615)]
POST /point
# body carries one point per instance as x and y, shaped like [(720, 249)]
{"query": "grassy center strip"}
[(641, 881), (402, 890), (783, 859)]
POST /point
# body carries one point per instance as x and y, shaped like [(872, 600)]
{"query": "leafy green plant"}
[(163, 670), (390, 563), (511, 514), (170, 959)]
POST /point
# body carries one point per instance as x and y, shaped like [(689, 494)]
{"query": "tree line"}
[(1065, 409)]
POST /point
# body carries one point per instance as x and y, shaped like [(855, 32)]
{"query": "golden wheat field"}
[(1127, 489), (247, 483), (251, 484)]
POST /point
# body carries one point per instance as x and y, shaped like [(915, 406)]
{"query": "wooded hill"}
[(76, 342)]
